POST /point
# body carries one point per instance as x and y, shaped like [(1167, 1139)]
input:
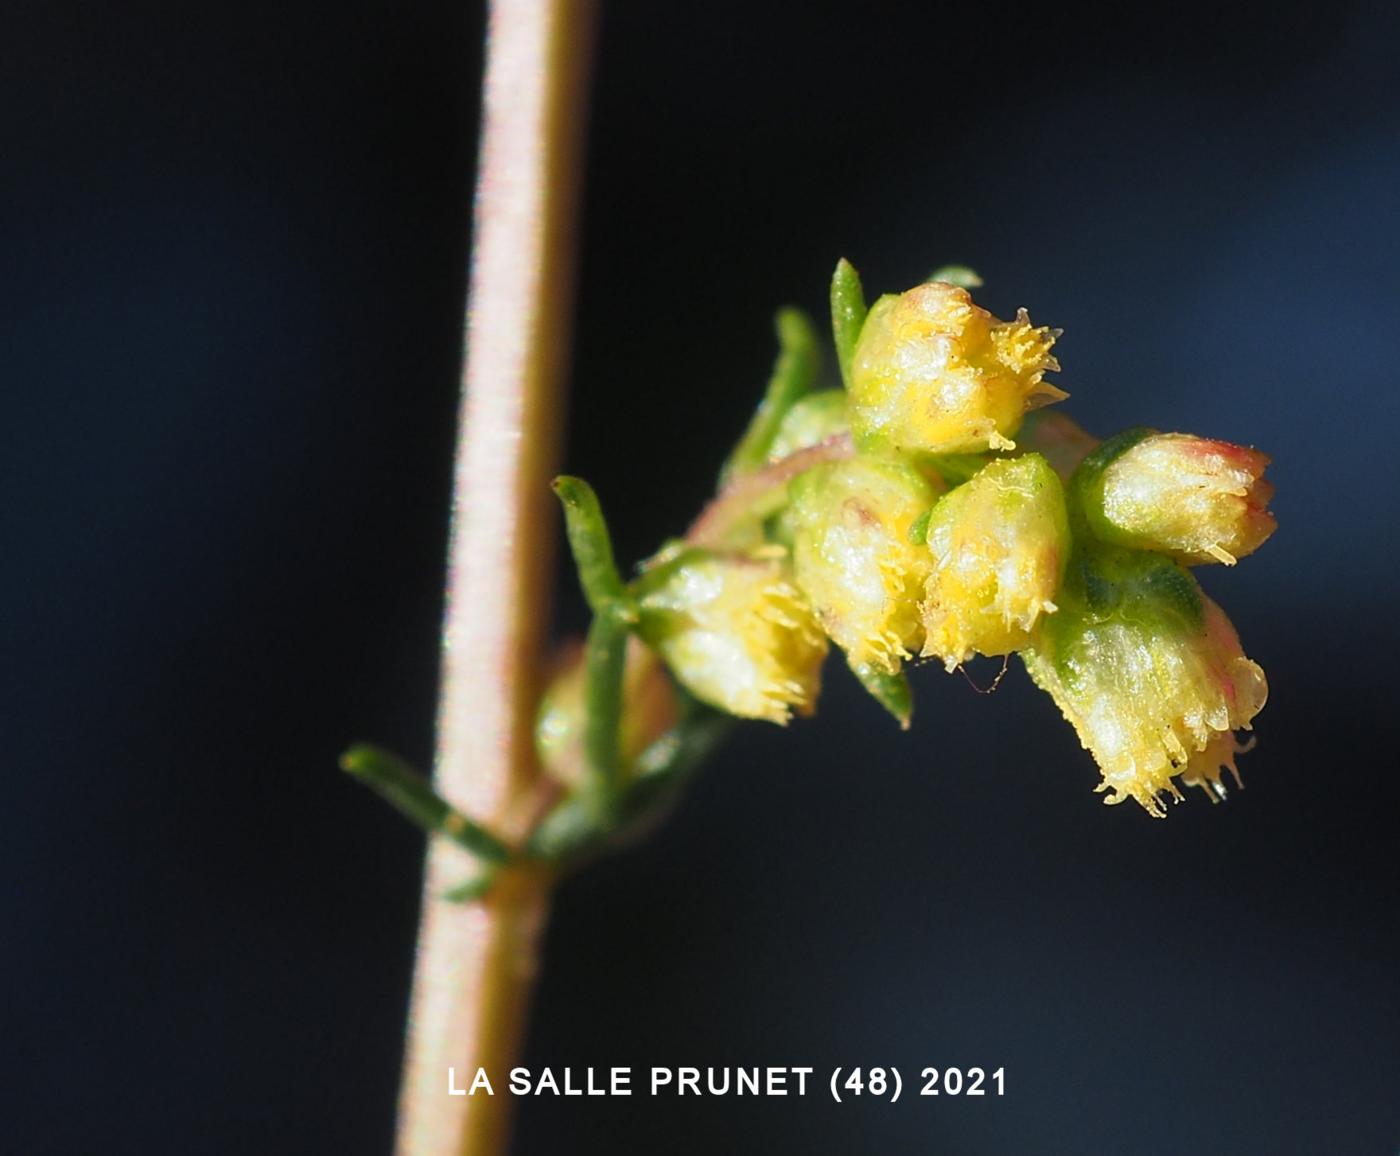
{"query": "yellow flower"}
[(998, 546), (934, 373), (1197, 499), (737, 634), (1150, 673), (854, 559)]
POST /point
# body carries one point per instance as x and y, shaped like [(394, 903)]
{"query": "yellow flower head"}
[(936, 374), (649, 711), (998, 546), (854, 559), (737, 634), (1150, 673), (1194, 498)]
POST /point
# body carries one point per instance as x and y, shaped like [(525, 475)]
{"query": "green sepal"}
[(794, 374), (891, 691), (847, 315), (412, 795)]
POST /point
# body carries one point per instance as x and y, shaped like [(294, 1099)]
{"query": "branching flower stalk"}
[(926, 508), (925, 512), (922, 511)]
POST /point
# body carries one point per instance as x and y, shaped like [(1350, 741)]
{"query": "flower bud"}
[(854, 559), (1196, 499), (1150, 673), (648, 710), (998, 546), (737, 634), (811, 419), (934, 373)]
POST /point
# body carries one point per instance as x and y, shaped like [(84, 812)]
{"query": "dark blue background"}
[(234, 244)]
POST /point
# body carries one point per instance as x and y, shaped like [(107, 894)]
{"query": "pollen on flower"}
[(998, 546), (1151, 682), (854, 560), (934, 373), (738, 635)]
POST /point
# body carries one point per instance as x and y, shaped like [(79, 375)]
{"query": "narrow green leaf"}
[(589, 542), (413, 796), (794, 374), (847, 314), (891, 691), (605, 659), (959, 275)]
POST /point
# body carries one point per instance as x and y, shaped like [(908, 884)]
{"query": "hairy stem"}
[(475, 964)]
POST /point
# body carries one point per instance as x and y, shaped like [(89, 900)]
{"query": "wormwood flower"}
[(1195, 498), (998, 546), (933, 373), (1149, 672), (854, 557), (737, 633)]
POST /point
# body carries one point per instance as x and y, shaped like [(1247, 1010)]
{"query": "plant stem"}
[(476, 964)]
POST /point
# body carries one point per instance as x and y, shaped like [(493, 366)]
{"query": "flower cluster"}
[(924, 511)]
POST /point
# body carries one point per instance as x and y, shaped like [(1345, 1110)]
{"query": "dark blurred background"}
[(234, 244)]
